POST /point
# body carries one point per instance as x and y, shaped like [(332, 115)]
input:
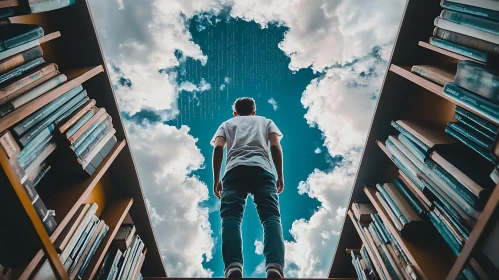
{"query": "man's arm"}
[(218, 156), (276, 151)]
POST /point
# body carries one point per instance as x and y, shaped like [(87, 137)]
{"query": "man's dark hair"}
[(244, 106)]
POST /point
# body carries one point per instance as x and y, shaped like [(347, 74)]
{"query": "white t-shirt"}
[(247, 139)]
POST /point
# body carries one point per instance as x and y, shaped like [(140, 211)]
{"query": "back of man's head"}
[(244, 106)]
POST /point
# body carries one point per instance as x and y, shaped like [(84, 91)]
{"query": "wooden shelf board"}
[(373, 254), (431, 260), (446, 52), (76, 77), (49, 37), (8, 3), (436, 89), (113, 216), (31, 212)]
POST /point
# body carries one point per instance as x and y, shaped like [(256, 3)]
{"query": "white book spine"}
[(39, 90), (466, 30), (48, 5), (97, 148), (9, 145), (88, 216)]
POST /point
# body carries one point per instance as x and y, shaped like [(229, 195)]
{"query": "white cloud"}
[(258, 247), (222, 86), (120, 4), (190, 87), (273, 103), (317, 151), (173, 195)]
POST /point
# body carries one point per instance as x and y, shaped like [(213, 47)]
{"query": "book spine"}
[(413, 148), (39, 90), (476, 55), (37, 140), (92, 251), (471, 21), (20, 70), (478, 79), (31, 35), (437, 79), (9, 145), (472, 100), (51, 118), (443, 232), (96, 160), (80, 123), (477, 11), (13, 51), (472, 126), (403, 220), (45, 6), (84, 136), (45, 111), (461, 138), (42, 157), (31, 78), (28, 159), (453, 183), (12, 62), (477, 139), (388, 210), (407, 134), (77, 116), (466, 41), (476, 119), (458, 223), (64, 116), (453, 232), (40, 175), (92, 140), (409, 197)]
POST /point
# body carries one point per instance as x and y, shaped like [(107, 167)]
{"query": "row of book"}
[(125, 257), (469, 28), (381, 256), (77, 243), (442, 181), (34, 6)]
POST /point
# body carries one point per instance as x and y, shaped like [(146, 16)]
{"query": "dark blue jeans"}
[(237, 183)]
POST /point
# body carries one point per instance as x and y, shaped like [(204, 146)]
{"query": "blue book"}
[(415, 204), (43, 112), (477, 78), (472, 10), (92, 251), (474, 127), (82, 244), (91, 141), (461, 138), (379, 226), (471, 21), (392, 205), (458, 224), (35, 142), (471, 135), (31, 157), (20, 70), (488, 126), (64, 116), (444, 233), (471, 53), (80, 123), (41, 174), (473, 101), (367, 260), (51, 118), (419, 153), (407, 134)]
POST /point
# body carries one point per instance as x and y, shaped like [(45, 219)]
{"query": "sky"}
[(314, 67)]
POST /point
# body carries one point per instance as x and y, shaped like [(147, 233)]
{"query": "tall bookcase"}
[(405, 96), (72, 43)]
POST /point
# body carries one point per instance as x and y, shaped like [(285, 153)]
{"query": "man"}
[(249, 170)]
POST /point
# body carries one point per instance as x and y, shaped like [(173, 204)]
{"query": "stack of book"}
[(362, 264), (444, 179), (35, 6), (469, 28), (383, 256), (90, 133), (125, 257), (78, 242)]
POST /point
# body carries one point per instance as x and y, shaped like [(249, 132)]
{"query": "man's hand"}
[(217, 189), (280, 185)]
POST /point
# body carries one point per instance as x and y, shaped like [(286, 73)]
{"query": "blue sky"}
[(315, 68)]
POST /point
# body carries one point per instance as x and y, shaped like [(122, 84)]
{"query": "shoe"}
[(274, 273), (234, 272)]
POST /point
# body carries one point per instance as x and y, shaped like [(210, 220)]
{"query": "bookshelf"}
[(406, 96), (71, 42)]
